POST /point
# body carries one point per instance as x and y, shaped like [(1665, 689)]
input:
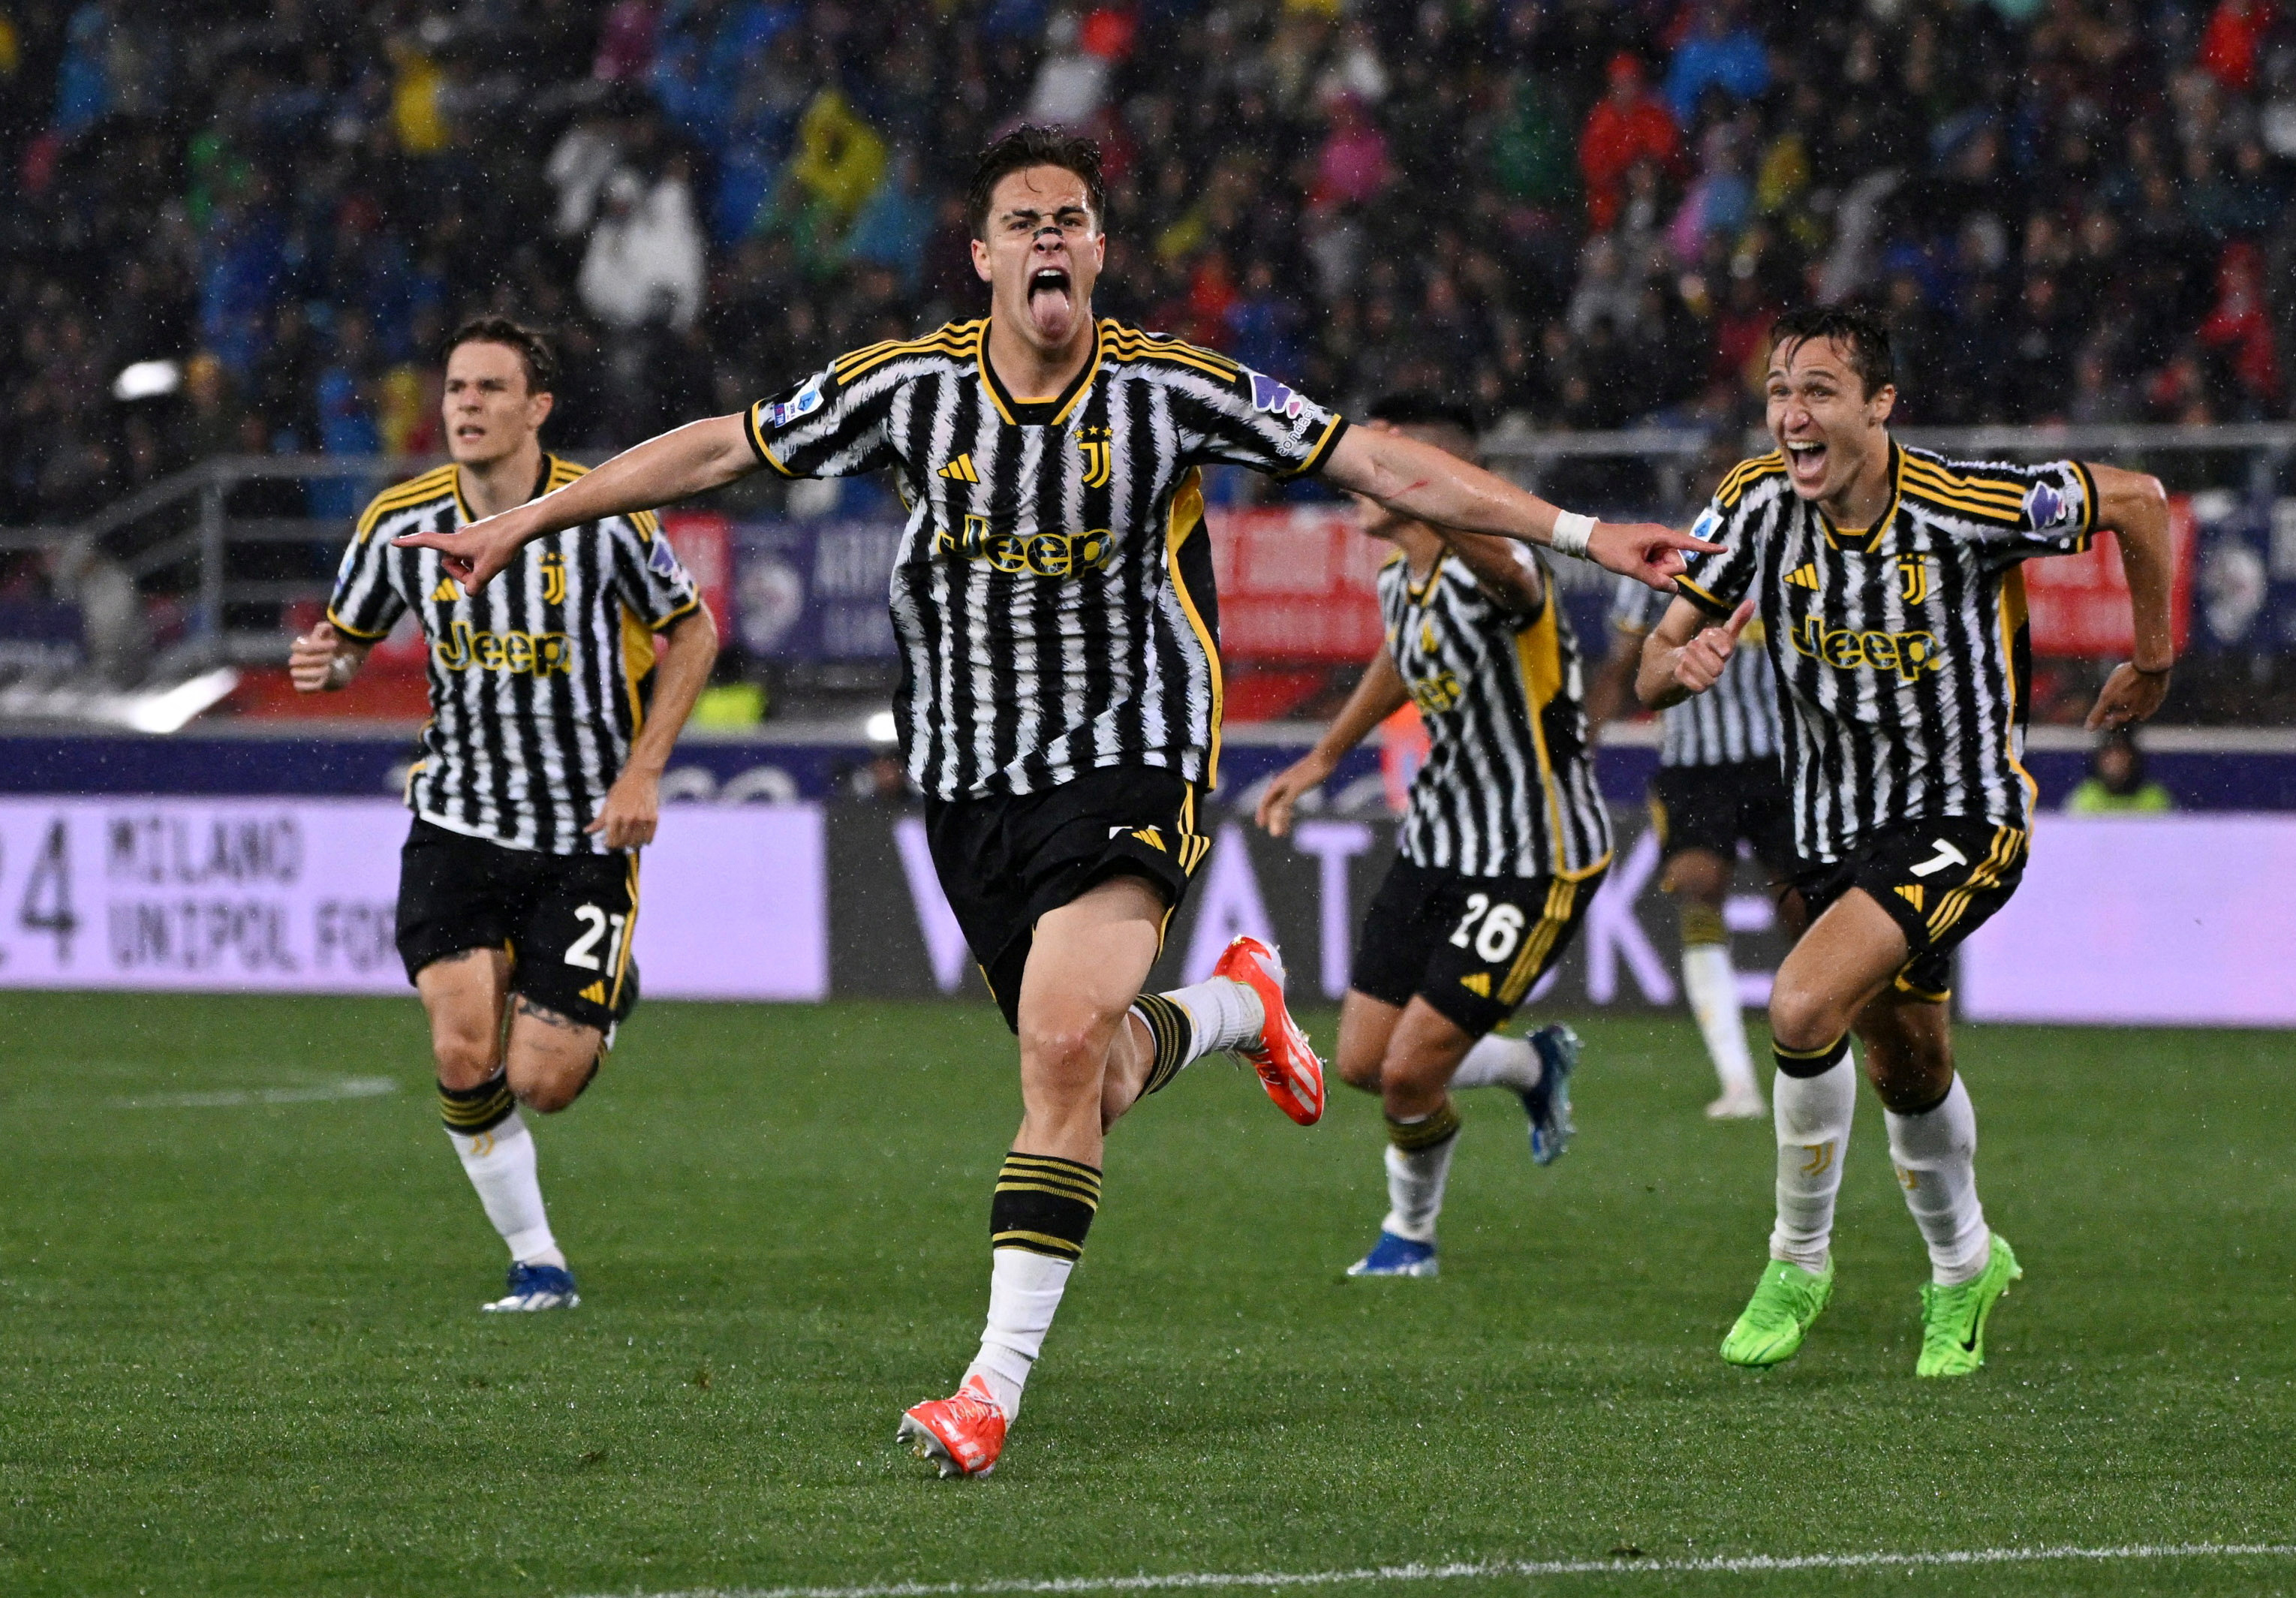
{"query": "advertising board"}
[(291, 895)]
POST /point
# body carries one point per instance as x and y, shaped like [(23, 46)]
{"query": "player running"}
[(555, 697), (1502, 845), (1887, 582), (1060, 706), (1717, 784)]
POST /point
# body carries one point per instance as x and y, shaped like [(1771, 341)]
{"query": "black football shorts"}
[(1004, 860), (567, 920), (1712, 807), (1474, 947), (1939, 879)]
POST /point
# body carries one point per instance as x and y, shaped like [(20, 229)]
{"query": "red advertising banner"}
[(2079, 603), (1296, 584), (704, 542)]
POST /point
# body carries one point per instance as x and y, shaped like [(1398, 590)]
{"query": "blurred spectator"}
[(645, 260), (1628, 124), (2076, 209), (2116, 784)]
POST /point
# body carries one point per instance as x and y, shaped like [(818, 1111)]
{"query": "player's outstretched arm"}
[(684, 652), (1428, 484), (1504, 569), (1378, 696), (686, 461), (1684, 655), (323, 659), (2135, 506)]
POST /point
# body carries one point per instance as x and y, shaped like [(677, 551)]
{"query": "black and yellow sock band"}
[(471, 1110), (1174, 1031), (1701, 923), (1811, 1062), (1044, 1204), (1428, 1131)]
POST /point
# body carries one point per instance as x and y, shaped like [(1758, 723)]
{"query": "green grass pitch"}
[(239, 1351)]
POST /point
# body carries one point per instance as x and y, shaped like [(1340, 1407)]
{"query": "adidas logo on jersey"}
[(1804, 576), (960, 470), (446, 593), (1912, 894), (1478, 983), (595, 993)]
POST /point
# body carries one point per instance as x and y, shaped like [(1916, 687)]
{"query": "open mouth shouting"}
[(1805, 462)]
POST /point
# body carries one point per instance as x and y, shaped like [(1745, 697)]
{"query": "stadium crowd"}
[(1584, 212)]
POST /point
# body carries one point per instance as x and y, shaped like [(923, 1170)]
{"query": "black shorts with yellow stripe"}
[(567, 921), (1004, 860), (1474, 947), (1938, 878)]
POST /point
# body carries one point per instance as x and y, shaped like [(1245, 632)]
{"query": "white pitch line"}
[(1737, 1565), (233, 1098)]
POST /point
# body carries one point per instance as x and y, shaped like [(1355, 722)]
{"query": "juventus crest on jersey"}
[(1902, 647), (1053, 591), (538, 681), (1736, 719), (1508, 788)]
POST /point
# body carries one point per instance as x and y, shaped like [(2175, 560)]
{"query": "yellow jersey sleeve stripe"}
[(1323, 450), (352, 633), (757, 441), (685, 609), (431, 485), (1698, 596), (2008, 496)]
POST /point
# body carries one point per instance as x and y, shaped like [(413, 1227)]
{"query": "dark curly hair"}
[(1029, 145), (534, 351)]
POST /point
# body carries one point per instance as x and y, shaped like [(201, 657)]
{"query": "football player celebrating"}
[(1502, 844), (1060, 707), (554, 700), (1887, 581)]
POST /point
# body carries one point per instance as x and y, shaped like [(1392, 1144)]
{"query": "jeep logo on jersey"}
[(538, 653), (2045, 507), (1036, 554), (1272, 396), (1908, 654), (806, 402)]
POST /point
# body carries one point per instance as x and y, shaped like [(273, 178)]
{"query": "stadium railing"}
[(180, 539)]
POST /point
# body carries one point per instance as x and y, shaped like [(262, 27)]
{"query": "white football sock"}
[(1496, 1061), (1711, 981), (500, 1162), (1024, 1290), (1415, 1176), (1225, 1013), (1935, 1155), (1812, 1116)]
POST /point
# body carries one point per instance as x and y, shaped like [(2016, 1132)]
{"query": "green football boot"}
[(1786, 1301), (1953, 1318)]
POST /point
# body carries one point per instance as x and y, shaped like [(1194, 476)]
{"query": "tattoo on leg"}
[(548, 1018)]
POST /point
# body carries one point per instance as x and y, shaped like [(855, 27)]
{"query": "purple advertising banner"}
[(294, 894), (2169, 921)]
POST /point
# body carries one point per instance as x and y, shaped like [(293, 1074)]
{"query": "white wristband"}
[(1572, 533)]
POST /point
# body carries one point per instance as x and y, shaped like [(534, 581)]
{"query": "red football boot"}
[(963, 1434), (1282, 1056)]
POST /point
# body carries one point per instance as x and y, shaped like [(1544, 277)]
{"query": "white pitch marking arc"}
[(235, 1098), (1737, 1565)]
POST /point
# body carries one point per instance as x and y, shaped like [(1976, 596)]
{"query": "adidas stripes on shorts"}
[(1474, 947), (566, 920)]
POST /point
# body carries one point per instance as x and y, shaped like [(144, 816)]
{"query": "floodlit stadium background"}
[(232, 234)]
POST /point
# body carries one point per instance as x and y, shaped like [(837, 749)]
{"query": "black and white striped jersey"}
[(539, 681), (1902, 647), (1053, 591), (1508, 787), (1736, 719)]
